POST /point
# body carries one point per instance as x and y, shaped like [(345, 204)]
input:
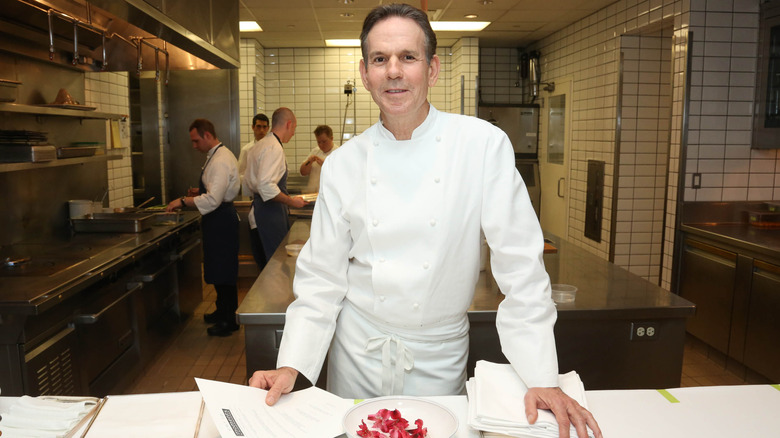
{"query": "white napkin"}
[(44, 417), (496, 396)]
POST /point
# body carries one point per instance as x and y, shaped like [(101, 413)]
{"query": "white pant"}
[(369, 361)]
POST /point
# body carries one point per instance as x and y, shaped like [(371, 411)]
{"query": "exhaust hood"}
[(124, 35)]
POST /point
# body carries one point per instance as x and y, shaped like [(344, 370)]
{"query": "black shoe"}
[(222, 328), (211, 318)]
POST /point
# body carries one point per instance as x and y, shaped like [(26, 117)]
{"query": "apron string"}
[(392, 376)]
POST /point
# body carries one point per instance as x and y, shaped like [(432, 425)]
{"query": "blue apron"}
[(272, 219), (220, 241)]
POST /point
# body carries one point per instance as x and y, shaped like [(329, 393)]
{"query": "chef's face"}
[(260, 129), (202, 144), (324, 142), (396, 72)]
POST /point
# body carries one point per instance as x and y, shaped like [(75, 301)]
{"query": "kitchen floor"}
[(192, 353)]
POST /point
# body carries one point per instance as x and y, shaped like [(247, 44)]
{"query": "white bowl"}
[(293, 249), (440, 421), (563, 293)]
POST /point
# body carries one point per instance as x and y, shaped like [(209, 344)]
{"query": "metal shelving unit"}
[(49, 111)]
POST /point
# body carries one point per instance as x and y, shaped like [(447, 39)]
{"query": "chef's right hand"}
[(297, 202), (277, 382)]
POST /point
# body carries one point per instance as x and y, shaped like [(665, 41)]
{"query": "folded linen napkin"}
[(44, 417), (496, 395)]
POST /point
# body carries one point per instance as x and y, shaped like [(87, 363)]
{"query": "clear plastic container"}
[(563, 293)]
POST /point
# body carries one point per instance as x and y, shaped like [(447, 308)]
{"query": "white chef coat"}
[(313, 184), (220, 176), (265, 166), (395, 241), (242, 158)]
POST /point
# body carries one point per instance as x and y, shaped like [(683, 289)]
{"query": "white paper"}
[(167, 415), (240, 411)]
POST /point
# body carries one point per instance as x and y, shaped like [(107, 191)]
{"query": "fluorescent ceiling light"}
[(249, 26), (465, 26), (343, 43)]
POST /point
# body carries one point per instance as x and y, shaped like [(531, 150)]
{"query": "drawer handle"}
[(186, 250), (91, 318), (148, 278)]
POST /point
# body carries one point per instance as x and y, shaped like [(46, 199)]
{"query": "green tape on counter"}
[(777, 387), (667, 395)]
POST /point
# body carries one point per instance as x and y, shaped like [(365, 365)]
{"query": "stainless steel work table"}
[(595, 335)]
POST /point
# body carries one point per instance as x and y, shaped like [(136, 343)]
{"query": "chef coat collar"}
[(212, 151), (419, 131)]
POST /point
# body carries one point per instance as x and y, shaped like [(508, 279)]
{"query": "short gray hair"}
[(383, 12)]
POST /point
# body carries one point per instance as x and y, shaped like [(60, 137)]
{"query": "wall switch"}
[(643, 331)]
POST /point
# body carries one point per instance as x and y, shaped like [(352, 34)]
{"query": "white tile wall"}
[(642, 153), (251, 87), (109, 93), (310, 81), (717, 139)]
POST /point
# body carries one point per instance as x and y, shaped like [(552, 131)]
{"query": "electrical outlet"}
[(643, 331)]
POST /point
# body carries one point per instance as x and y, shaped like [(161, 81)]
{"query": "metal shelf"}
[(60, 112), (12, 167)]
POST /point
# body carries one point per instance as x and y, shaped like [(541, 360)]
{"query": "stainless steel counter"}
[(72, 264), (760, 241), (611, 303)]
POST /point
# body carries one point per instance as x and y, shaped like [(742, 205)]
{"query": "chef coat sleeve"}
[(526, 317), (272, 166), (320, 285), (216, 177)]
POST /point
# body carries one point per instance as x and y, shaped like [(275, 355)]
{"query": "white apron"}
[(366, 361)]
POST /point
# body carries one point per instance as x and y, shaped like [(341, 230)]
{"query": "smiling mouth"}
[(396, 91)]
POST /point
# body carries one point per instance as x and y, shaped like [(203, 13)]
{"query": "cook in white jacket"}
[(385, 281)]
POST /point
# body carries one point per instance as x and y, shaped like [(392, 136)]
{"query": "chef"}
[(312, 166), (385, 281), (266, 180), (218, 186)]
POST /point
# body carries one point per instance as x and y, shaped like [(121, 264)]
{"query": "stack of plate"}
[(25, 146)]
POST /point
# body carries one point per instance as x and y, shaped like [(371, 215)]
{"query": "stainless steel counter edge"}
[(606, 290), (69, 283), (761, 241)]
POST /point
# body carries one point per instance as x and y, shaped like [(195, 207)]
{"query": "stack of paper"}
[(49, 417), (496, 405)]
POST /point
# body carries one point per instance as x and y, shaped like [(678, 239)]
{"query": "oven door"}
[(107, 335)]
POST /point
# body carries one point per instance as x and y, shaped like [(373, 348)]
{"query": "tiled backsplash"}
[(109, 92)]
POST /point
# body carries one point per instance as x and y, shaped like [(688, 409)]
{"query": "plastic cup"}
[(563, 293)]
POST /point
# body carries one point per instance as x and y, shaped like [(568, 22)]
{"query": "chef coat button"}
[(382, 298), (433, 222), (375, 222), (426, 265), (382, 260), (373, 180), (376, 143), (437, 180), (416, 306), (438, 138)]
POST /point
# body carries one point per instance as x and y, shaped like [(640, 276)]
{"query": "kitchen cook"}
[(218, 186), (266, 180), (385, 281)]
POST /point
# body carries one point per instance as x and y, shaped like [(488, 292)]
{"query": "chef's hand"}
[(317, 159), (567, 411), (297, 202), (277, 382), (173, 205)]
